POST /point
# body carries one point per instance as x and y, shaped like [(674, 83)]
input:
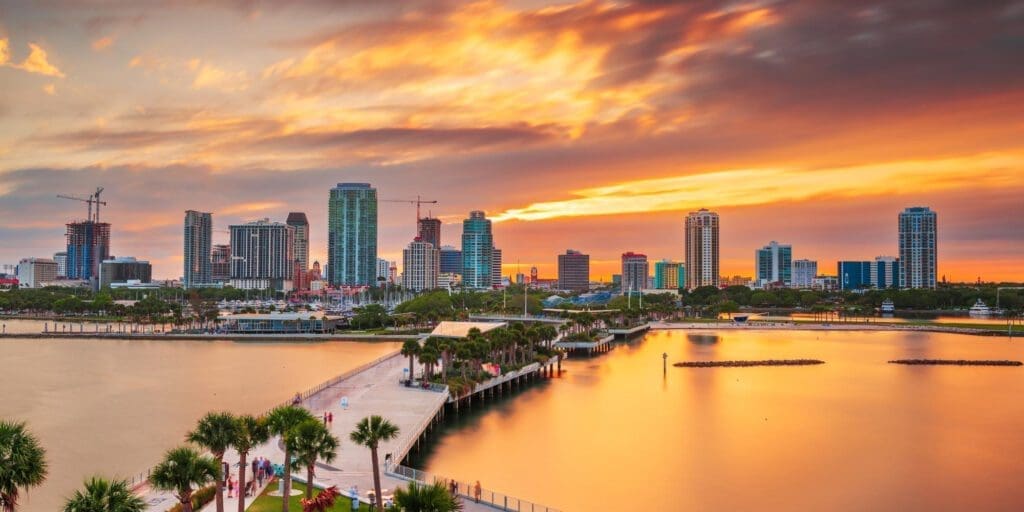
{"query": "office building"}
[(428, 229), (702, 249), (477, 251), (420, 266), (36, 272), (451, 260), (854, 275), (300, 250), (88, 243), (352, 235), (220, 263), (124, 270), (62, 263), (885, 272), (198, 246), (261, 255), (634, 272), (825, 283), (669, 275), (804, 272), (774, 265), (496, 277), (573, 271), (918, 245)]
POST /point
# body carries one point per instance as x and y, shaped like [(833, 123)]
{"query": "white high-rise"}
[(918, 248), (804, 272), (701, 249), (420, 266)]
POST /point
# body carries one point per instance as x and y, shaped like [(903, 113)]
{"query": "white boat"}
[(888, 306), (980, 309)]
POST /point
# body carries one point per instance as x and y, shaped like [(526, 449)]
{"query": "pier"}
[(626, 332), (602, 345)]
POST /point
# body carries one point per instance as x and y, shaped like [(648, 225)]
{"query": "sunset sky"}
[(593, 125)]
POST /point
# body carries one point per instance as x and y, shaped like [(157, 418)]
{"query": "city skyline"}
[(664, 110)]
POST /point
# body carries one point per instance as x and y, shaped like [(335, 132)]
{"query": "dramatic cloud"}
[(36, 62)]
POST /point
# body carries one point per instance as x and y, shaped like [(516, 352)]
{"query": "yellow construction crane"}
[(416, 202)]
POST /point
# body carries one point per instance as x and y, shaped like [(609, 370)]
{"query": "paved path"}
[(372, 391)]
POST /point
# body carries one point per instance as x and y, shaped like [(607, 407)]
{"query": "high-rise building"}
[(198, 246), (495, 267), (420, 266), (352, 234), (477, 251), (451, 260), (220, 263), (261, 255), (534, 274), (669, 275), (701, 249), (917, 241), (854, 275), (774, 265), (383, 271), (88, 245), (62, 263), (429, 230), (885, 272), (125, 269), (36, 272), (573, 271), (634, 272), (804, 272), (299, 222)]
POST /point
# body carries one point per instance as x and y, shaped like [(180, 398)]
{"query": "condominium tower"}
[(774, 264), (917, 243), (701, 249), (352, 234), (299, 222), (198, 245), (420, 266), (804, 272), (262, 255), (669, 275), (574, 271), (88, 244), (429, 230), (635, 270), (477, 251)]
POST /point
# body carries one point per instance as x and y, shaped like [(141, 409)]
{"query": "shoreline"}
[(295, 338), (801, 326)]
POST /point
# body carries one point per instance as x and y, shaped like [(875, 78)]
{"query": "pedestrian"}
[(255, 467), (325, 418), (231, 487), (451, 488), (477, 491), (330, 418)]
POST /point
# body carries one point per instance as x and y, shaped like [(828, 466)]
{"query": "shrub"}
[(199, 499)]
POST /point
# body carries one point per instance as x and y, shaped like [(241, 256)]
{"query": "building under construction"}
[(88, 246)]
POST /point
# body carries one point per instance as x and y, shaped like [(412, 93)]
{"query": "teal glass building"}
[(352, 235), (477, 251)]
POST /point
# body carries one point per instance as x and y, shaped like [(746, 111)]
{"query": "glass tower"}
[(917, 239), (352, 235), (477, 247)]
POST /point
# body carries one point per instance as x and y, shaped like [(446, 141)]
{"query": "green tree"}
[(282, 422), (22, 463), (215, 432), (426, 498), (250, 432), (311, 441), (411, 349), (182, 471), (369, 432), (102, 495)]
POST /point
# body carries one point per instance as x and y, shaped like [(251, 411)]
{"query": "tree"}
[(426, 498), (323, 502), (215, 432), (102, 495), (311, 441), (410, 349), (369, 432), (22, 463), (249, 433), (182, 471), (282, 422)]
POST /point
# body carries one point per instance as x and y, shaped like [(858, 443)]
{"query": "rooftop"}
[(449, 329)]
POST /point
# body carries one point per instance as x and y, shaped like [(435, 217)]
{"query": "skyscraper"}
[(451, 260), (262, 255), (220, 263), (299, 222), (669, 275), (804, 272), (701, 249), (198, 244), (352, 234), (477, 251), (634, 272), (495, 266), (383, 271), (429, 230), (774, 264), (420, 266), (574, 271), (917, 240), (88, 244)]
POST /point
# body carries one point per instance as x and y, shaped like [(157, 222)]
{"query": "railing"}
[(490, 498), (139, 479), (406, 447), (418, 384)]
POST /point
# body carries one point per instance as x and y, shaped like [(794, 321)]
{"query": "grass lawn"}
[(267, 503)]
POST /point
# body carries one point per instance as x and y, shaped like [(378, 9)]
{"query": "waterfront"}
[(113, 407), (855, 433)]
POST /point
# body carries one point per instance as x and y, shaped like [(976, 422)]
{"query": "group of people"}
[(453, 487), (262, 470), (328, 418)]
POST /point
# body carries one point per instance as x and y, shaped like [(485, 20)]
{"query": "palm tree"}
[(102, 495), (22, 463), (215, 432), (310, 441), (369, 432), (249, 433), (426, 498), (184, 470), (428, 358), (282, 422), (410, 349)]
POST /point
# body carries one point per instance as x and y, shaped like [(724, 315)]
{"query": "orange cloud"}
[(103, 43), (36, 62), (210, 76), (50, 89)]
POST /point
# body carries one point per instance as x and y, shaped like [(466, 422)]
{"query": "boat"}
[(980, 309), (888, 306)]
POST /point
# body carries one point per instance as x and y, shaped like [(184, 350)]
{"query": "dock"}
[(589, 347), (629, 331)]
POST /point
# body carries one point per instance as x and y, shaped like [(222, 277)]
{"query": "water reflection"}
[(702, 339)]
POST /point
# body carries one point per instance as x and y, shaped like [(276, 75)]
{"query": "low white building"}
[(33, 272)]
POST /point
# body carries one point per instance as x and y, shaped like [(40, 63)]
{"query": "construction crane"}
[(416, 201), (92, 199)]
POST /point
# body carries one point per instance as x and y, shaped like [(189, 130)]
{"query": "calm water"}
[(854, 434), (113, 407)]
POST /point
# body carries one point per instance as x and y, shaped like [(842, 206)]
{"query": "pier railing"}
[(487, 497)]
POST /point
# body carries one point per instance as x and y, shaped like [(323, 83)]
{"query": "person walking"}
[(477, 491), (330, 418)]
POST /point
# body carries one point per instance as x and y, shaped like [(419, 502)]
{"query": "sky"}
[(592, 125)]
